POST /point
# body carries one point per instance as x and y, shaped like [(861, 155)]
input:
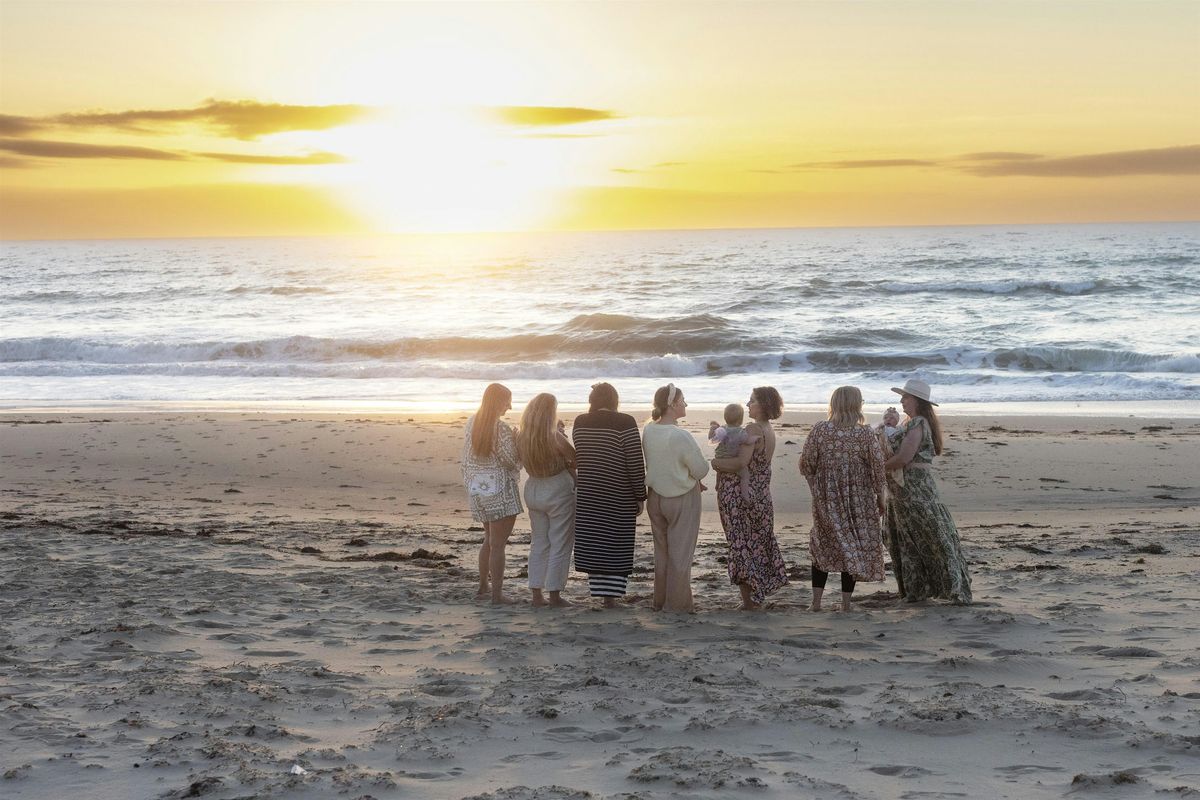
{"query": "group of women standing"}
[(585, 494)]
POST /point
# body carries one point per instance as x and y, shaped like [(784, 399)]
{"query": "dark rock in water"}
[(357, 542), (310, 549), (1029, 548), (233, 491), (1036, 567), (1154, 549)]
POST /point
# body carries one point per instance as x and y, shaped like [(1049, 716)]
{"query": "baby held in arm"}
[(886, 430), (729, 439)]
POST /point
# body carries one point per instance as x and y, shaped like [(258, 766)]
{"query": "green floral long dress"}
[(922, 540)]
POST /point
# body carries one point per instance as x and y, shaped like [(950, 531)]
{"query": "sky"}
[(296, 118)]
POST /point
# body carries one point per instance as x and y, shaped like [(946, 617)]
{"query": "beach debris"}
[(420, 554), (1128, 652), (1112, 779), (202, 786), (1154, 549), (297, 770)]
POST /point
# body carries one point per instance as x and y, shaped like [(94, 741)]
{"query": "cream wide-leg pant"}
[(675, 522), (551, 505)]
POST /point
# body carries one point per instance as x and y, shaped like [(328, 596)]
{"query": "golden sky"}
[(280, 118)]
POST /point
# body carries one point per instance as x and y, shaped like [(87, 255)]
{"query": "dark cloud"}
[(999, 155), (243, 119), (311, 158), (18, 126), (532, 116), (48, 149), (1184, 160), (870, 163)]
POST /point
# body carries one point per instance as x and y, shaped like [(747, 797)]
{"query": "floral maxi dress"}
[(754, 556), (844, 467), (922, 538)]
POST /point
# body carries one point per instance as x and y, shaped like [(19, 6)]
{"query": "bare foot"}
[(610, 602), (750, 607), (815, 609), (538, 602), (503, 600), (560, 602)]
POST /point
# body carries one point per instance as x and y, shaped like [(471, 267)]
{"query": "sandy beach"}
[(282, 605)]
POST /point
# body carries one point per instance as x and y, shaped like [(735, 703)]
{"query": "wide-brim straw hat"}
[(917, 388)]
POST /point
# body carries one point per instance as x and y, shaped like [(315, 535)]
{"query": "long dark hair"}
[(483, 435), (925, 409)]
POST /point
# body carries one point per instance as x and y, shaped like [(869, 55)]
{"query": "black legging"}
[(820, 576)]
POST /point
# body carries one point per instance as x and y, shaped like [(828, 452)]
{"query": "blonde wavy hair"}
[(537, 442), (483, 435), (845, 407)]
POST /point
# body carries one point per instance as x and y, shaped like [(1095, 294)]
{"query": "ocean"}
[(987, 315)]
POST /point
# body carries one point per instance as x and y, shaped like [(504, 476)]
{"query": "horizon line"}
[(556, 231)]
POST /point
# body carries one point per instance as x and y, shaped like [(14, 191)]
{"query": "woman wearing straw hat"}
[(926, 554)]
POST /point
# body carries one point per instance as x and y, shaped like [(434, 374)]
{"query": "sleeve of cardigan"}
[(506, 449), (693, 458), (635, 464)]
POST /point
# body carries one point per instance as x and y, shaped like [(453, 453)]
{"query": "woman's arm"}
[(506, 449), (566, 450), (635, 463), (745, 452), (810, 457), (693, 458), (908, 449), (875, 467)]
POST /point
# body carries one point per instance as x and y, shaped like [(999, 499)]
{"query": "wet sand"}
[(263, 605)]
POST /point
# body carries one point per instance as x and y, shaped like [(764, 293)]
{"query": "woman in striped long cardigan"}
[(610, 491)]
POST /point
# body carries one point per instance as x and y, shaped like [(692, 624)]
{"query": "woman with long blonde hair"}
[(491, 469), (843, 463), (549, 459)]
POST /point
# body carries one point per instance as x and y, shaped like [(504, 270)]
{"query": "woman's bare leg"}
[(846, 601), (538, 600), (485, 553), (557, 601), (748, 603), (498, 533), (816, 601)]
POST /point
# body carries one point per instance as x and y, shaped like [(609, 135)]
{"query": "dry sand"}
[(194, 605)]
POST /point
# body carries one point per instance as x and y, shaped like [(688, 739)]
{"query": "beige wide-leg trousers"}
[(551, 504), (675, 522)]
